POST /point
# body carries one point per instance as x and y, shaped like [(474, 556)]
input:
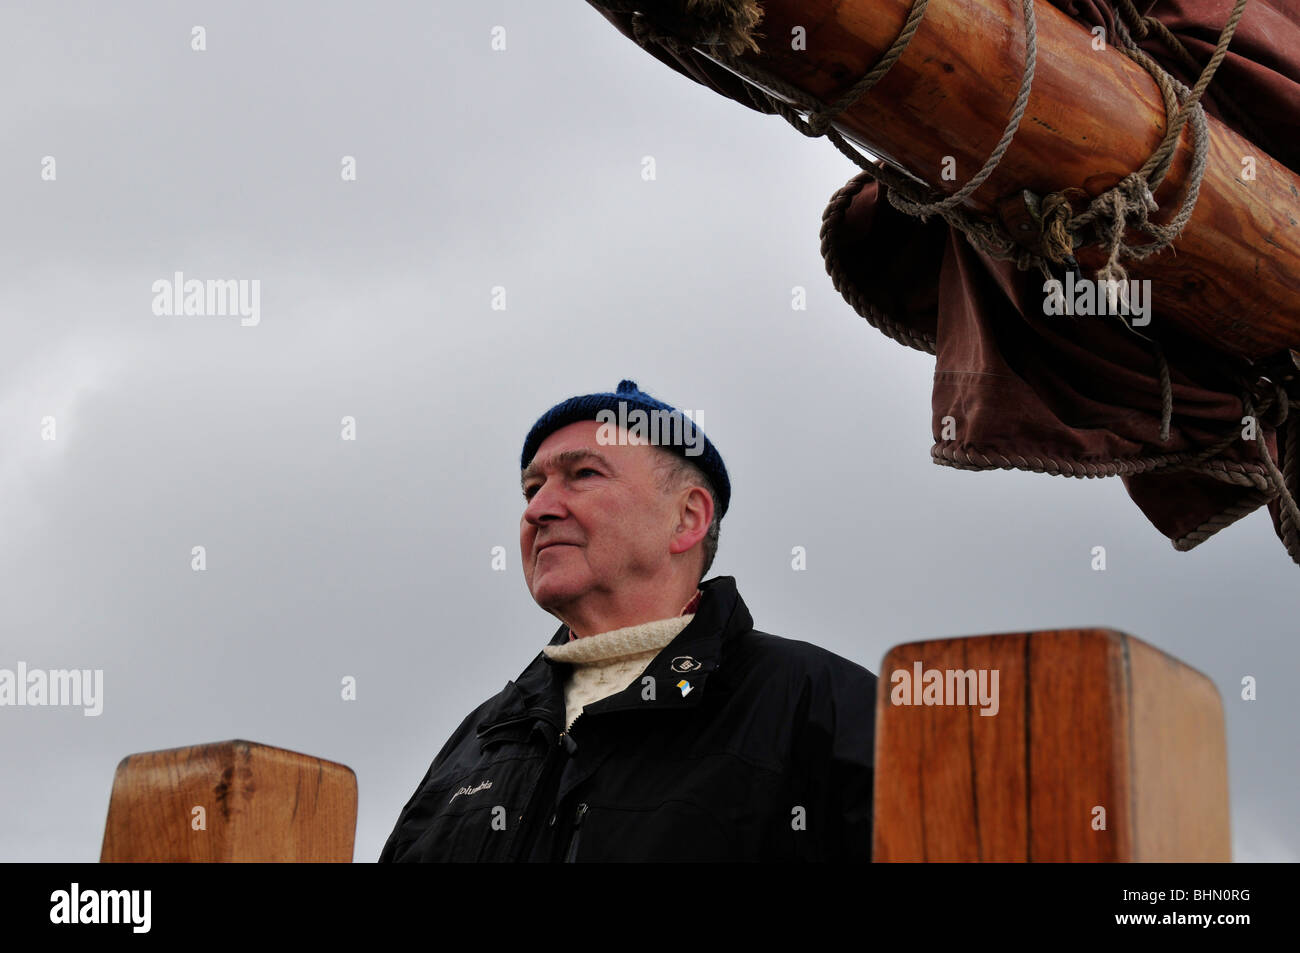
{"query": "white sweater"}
[(607, 663)]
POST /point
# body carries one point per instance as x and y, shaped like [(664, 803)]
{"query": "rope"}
[(835, 209), (922, 210), (1166, 392), (1247, 505), (820, 115), (1289, 510), (820, 120), (1291, 483), (1111, 211), (970, 459), (1143, 27)]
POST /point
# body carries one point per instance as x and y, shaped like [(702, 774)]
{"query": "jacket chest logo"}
[(481, 786), (684, 663)]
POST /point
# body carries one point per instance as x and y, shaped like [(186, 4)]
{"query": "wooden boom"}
[(1093, 117)]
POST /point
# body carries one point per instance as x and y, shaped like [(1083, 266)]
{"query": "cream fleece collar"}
[(617, 643)]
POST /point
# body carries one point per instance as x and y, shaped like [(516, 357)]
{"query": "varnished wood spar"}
[(1086, 718), (1092, 118), (259, 804)]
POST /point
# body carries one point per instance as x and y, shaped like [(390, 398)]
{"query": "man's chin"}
[(552, 594)]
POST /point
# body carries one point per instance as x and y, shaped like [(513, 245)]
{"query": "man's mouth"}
[(547, 546)]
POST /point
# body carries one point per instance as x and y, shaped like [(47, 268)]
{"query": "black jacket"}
[(768, 756)]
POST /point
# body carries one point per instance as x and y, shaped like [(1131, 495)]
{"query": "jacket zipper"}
[(527, 836), (567, 734), (566, 740), (572, 855)]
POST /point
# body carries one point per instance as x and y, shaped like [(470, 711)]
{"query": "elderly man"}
[(658, 724)]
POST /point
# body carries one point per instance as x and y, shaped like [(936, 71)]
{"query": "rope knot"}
[(1057, 225), (1138, 192), (1130, 198)]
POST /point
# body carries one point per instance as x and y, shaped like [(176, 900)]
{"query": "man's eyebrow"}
[(561, 459)]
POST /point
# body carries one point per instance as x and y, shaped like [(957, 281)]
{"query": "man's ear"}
[(694, 516)]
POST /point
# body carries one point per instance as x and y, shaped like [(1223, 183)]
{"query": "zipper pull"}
[(572, 853), (566, 739)]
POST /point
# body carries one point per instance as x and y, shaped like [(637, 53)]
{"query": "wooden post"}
[(257, 803), (1101, 748)]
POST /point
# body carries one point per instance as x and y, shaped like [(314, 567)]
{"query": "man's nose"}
[(546, 505)]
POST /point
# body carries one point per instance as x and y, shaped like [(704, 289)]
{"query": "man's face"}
[(596, 519)]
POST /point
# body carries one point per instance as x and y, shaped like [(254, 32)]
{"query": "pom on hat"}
[(620, 404)]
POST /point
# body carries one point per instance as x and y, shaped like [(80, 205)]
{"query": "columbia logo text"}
[(481, 786)]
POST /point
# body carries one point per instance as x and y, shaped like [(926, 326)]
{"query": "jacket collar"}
[(692, 657)]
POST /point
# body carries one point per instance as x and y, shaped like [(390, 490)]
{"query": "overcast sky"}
[(475, 169)]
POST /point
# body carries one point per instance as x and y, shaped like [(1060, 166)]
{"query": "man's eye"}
[(529, 492)]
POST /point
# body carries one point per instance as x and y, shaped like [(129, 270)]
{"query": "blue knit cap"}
[(632, 398)]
